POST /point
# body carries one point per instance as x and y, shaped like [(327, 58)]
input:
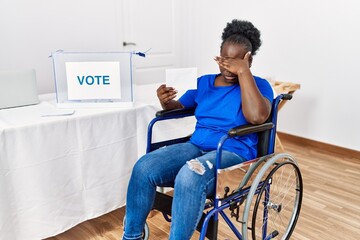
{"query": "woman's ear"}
[(250, 61)]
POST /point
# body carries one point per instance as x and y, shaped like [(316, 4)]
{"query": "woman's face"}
[(231, 50)]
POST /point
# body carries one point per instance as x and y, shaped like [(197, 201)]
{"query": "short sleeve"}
[(188, 98)]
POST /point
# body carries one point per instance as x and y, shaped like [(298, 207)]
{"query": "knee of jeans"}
[(192, 173), (198, 167), (140, 168)]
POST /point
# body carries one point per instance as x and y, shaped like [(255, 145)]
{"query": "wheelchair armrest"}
[(247, 129), (182, 112)]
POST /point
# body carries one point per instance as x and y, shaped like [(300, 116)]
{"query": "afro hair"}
[(243, 32)]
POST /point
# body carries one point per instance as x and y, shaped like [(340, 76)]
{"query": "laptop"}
[(18, 88)]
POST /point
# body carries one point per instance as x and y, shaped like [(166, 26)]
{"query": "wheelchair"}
[(257, 199)]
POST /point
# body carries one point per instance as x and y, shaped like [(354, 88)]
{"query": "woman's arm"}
[(256, 107)]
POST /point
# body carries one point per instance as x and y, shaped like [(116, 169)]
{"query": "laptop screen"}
[(18, 88)]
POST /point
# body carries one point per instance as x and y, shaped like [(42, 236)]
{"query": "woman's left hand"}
[(235, 65)]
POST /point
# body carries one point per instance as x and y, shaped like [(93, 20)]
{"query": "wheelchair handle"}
[(286, 96)]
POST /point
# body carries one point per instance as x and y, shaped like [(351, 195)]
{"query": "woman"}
[(231, 98)]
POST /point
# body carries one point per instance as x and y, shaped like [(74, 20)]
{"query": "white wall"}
[(314, 43), (31, 30)]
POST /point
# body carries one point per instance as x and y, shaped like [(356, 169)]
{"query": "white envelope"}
[(182, 79)]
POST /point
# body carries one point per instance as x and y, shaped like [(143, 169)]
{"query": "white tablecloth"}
[(56, 172)]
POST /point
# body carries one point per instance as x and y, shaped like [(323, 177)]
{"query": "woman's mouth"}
[(229, 78)]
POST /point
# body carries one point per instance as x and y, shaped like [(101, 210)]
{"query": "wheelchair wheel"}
[(273, 203), (145, 233)]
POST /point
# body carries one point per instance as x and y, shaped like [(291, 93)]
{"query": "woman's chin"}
[(231, 80)]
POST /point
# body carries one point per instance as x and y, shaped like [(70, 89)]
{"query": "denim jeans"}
[(184, 166)]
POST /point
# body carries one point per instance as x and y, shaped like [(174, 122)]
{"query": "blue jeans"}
[(184, 166)]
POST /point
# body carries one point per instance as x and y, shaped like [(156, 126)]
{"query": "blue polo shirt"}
[(218, 109)]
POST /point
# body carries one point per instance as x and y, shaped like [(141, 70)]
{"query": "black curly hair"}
[(242, 32)]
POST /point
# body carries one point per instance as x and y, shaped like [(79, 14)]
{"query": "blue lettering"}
[(106, 80), (98, 79), (91, 82), (81, 81)]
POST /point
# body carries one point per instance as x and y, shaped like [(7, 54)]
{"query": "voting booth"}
[(93, 79)]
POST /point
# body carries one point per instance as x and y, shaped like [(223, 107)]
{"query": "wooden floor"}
[(330, 209)]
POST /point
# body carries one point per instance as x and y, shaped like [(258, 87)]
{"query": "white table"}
[(56, 172)]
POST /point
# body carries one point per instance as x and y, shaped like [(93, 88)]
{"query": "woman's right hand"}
[(165, 94), (166, 97)]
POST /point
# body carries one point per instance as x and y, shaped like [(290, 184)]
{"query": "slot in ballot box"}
[(93, 79)]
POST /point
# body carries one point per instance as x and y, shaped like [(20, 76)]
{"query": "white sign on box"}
[(93, 80), (182, 79)]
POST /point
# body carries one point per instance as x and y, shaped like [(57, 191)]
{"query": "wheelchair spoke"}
[(277, 204)]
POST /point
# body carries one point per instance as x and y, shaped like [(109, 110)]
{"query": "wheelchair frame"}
[(232, 196)]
